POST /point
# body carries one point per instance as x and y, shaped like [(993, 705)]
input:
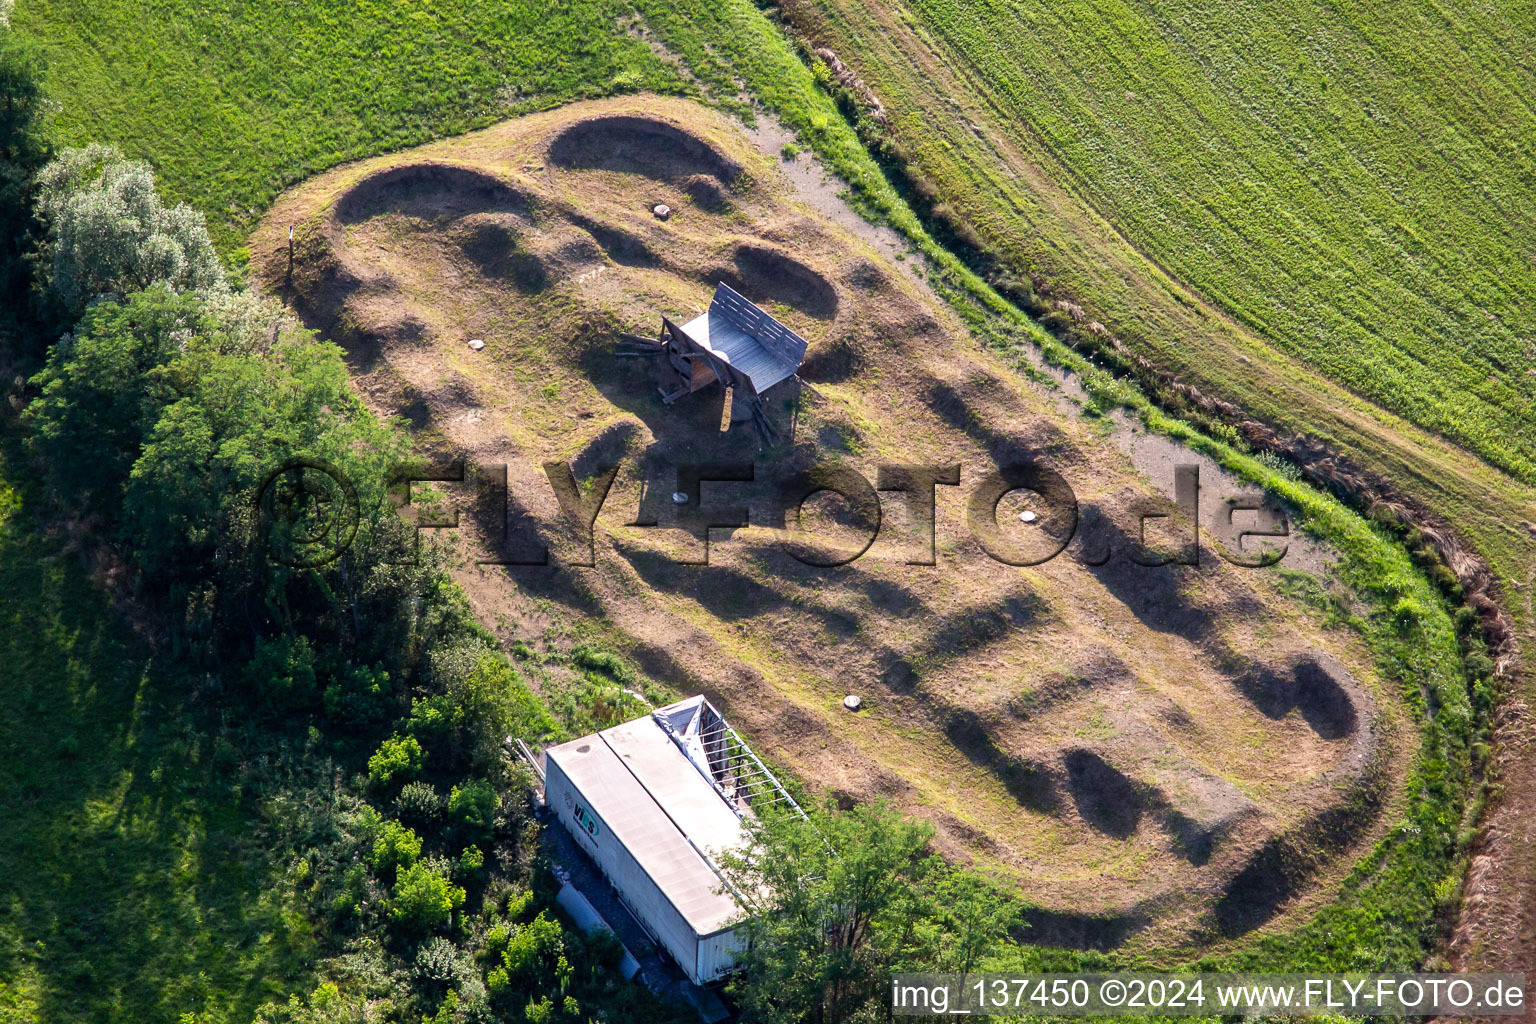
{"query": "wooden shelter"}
[(734, 344)]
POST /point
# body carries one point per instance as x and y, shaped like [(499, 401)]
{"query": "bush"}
[(609, 664), (483, 700), (441, 961), (360, 698), (424, 898), (535, 951), (396, 847), (283, 672), (473, 807), (419, 803), (398, 758), (326, 1005), (469, 864), (1407, 612)]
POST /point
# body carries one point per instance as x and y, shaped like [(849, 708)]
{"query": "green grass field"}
[(233, 102), (137, 880)]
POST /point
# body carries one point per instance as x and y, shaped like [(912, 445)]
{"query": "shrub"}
[(483, 699), (534, 951), (326, 1005), (283, 671), (1407, 611), (418, 802), (473, 806), (469, 863), (398, 758), (441, 961), (518, 903), (424, 898), (359, 698), (609, 664), (396, 847)]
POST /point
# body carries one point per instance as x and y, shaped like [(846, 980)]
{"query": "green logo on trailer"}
[(587, 820)]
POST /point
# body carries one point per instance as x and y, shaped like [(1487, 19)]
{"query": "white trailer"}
[(654, 802)]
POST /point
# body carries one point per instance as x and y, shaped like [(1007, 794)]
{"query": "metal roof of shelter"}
[(662, 808), (744, 336)]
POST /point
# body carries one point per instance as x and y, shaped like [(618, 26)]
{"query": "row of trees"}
[(157, 416)]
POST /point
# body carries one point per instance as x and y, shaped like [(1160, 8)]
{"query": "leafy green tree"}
[(974, 917), (473, 807), (398, 758), (166, 413), (24, 150), (394, 848), (108, 234), (424, 898), (98, 396), (831, 907)]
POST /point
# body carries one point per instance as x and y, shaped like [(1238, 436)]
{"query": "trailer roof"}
[(654, 800)]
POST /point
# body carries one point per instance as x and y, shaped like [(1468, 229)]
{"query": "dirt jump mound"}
[(639, 145)]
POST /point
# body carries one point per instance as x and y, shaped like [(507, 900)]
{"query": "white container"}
[(649, 819)]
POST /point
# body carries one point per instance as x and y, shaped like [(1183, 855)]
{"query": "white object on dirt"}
[(662, 211), (679, 498), (476, 344), (1027, 517), (851, 702)]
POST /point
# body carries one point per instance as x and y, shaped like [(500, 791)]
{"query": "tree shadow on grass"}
[(130, 887)]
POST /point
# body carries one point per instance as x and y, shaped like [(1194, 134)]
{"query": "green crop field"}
[(1356, 182)]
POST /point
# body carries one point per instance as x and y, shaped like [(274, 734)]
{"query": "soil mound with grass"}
[(1152, 754)]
